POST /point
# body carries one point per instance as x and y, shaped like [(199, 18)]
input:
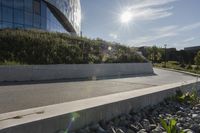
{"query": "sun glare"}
[(126, 17)]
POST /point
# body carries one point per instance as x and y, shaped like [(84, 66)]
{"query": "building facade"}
[(49, 15)]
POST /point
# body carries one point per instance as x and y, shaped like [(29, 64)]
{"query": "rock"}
[(194, 115), (103, 124), (146, 124), (157, 129), (62, 131), (134, 128), (100, 130), (81, 131), (142, 131), (152, 126), (130, 131), (119, 130), (181, 113), (198, 105), (195, 128), (122, 118), (187, 131), (116, 122), (136, 118), (94, 127), (124, 123), (113, 130)]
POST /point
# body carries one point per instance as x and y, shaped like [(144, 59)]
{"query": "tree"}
[(154, 54), (197, 59)]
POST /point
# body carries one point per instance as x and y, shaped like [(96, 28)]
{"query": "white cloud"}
[(150, 9), (188, 39), (150, 3), (190, 27), (166, 32), (113, 35)]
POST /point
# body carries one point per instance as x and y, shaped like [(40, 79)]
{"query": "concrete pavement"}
[(18, 97)]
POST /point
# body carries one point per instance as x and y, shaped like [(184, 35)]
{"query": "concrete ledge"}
[(50, 119), (72, 71)]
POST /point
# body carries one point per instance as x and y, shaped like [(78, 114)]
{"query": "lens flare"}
[(73, 118)]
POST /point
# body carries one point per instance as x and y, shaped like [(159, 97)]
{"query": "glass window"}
[(7, 14), (43, 23), (18, 26), (19, 16), (28, 5), (0, 11), (36, 21), (6, 25), (28, 18), (8, 3), (36, 7), (43, 9), (19, 4)]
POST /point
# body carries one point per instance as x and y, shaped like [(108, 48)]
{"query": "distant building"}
[(192, 49)]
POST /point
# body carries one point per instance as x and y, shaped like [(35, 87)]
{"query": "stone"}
[(188, 131), (94, 127), (152, 126), (62, 131), (103, 124), (130, 131), (146, 124), (134, 128), (195, 128), (116, 121), (181, 113), (118, 130), (100, 130), (194, 115), (142, 131), (157, 129)]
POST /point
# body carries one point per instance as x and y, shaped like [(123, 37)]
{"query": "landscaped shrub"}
[(38, 47)]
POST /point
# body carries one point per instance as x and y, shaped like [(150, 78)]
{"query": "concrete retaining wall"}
[(72, 71), (90, 110)]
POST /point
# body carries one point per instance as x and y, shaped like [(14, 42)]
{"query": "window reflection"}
[(36, 14)]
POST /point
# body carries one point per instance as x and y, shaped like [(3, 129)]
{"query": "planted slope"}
[(38, 47)]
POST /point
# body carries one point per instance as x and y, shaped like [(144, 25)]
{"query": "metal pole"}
[(165, 55)]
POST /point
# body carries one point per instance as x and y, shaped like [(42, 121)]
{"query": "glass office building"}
[(50, 15)]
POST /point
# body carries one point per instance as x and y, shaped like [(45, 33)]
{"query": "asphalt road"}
[(18, 97)]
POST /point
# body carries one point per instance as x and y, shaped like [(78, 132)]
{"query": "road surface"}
[(18, 97)]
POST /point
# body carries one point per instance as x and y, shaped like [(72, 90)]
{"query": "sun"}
[(126, 17)]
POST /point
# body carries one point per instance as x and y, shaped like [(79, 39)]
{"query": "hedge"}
[(39, 47)]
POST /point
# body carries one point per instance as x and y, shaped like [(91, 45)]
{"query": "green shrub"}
[(170, 126), (188, 98), (189, 66), (38, 47)]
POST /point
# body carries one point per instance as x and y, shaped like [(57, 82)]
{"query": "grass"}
[(177, 66), (11, 63)]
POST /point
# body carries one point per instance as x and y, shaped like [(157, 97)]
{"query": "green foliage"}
[(197, 59), (154, 54), (37, 47), (189, 66), (170, 126), (189, 97)]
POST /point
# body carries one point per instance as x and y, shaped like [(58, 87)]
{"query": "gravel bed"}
[(147, 120)]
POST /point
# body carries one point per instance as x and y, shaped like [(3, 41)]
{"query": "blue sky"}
[(143, 22)]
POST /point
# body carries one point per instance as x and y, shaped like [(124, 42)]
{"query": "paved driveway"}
[(18, 97)]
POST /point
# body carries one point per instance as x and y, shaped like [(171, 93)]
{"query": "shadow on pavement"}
[(72, 80)]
